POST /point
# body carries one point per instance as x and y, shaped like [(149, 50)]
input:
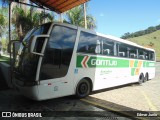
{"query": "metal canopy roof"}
[(59, 6)]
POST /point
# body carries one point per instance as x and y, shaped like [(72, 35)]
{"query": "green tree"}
[(3, 27), (4, 44), (75, 16), (26, 19), (158, 27), (3, 21), (2, 24), (126, 35)]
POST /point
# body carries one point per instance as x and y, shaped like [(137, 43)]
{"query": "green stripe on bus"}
[(79, 60), (133, 71), (136, 63), (101, 62), (150, 64), (144, 63)]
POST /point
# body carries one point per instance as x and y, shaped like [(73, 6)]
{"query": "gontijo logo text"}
[(91, 61), (103, 62)]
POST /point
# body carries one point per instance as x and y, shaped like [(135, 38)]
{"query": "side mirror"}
[(35, 40)]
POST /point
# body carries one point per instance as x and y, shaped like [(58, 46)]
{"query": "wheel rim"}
[(83, 88)]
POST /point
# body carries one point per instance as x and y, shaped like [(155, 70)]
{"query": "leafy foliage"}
[(150, 40), (3, 20), (140, 33), (75, 16), (4, 44), (24, 20)]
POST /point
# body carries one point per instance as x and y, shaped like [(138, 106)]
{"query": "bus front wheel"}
[(83, 88)]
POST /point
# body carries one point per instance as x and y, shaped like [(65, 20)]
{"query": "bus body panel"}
[(52, 89), (107, 76), (30, 91)]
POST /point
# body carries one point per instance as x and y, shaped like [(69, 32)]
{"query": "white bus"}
[(57, 59)]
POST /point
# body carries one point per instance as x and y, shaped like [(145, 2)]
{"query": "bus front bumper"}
[(27, 91)]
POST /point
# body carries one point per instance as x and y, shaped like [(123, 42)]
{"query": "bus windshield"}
[(26, 63)]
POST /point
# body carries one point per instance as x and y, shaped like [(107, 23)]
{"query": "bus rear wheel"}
[(146, 77), (141, 79), (83, 88)]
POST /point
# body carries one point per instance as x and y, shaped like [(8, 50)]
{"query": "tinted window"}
[(122, 50), (151, 56), (141, 54), (26, 63), (132, 52), (107, 46), (88, 43), (58, 53), (146, 55)]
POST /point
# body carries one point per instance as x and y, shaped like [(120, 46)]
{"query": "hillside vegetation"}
[(151, 40), (141, 32)]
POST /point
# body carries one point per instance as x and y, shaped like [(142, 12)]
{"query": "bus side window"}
[(98, 47), (151, 56), (146, 57), (86, 48), (132, 55), (141, 54), (58, 52), (87, 43), (141, 57), (122, 50), (122, 54), (107, 46), (106, 51)]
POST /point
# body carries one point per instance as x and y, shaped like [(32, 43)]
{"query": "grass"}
[(145, 41), (4, 59)]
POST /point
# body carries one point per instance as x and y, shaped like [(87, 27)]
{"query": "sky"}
[(116, 17)]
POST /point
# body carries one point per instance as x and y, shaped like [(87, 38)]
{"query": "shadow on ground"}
[(68, 106), (3, 84)]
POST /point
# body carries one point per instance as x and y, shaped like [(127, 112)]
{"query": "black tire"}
[(146, 77), (83, 88), (141, 79)]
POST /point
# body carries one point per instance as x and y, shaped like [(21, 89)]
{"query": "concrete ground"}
[(143, 97), (131, 97)]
